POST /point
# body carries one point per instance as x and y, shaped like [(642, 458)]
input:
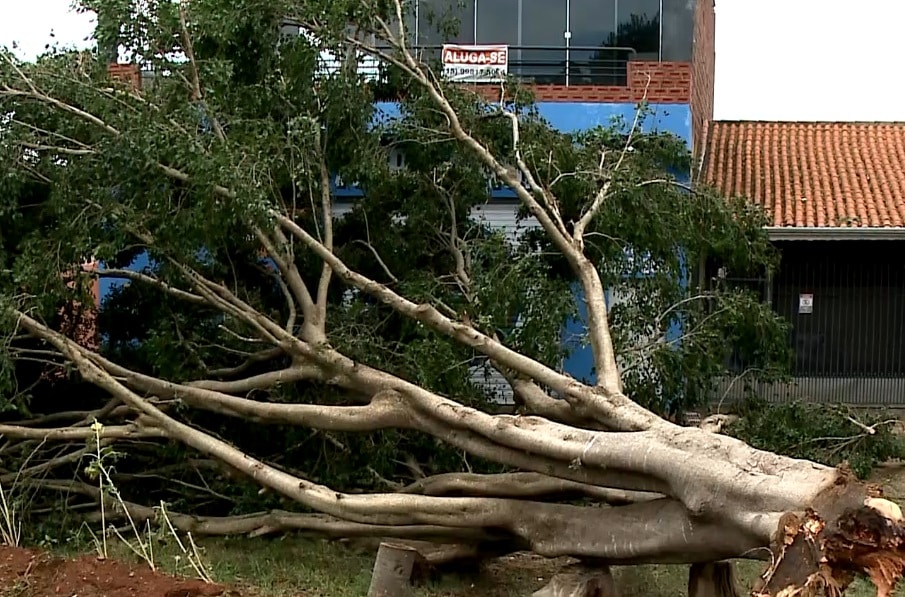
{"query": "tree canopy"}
[(331, 358)]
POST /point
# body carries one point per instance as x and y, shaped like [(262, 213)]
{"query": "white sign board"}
[(805, 303), (475, 64)]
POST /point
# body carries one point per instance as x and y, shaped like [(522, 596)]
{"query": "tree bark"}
[(392, 576)]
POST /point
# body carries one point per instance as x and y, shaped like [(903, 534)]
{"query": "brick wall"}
[(130, 73), (80, 323), (702, 73), (663, 83)]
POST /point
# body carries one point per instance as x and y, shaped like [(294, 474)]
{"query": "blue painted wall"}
[(579, 116), (672, 118), (568, 117)]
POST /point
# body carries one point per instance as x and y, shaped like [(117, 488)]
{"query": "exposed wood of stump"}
[(392, 574), (598, 583), (820, 554)]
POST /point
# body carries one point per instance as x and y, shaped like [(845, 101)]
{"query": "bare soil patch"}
[(30, 573)]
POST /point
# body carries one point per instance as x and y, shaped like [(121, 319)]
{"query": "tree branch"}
[(285, 263), (150, 280), (621, 535), (520, 485), (323, 285), (601, 196), (258, 357), (614, 410), (197, 95), (586, 272), (599, 406), (79, 433), (264, 523), (669, 458)]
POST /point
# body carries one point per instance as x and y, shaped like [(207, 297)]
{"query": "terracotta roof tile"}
[(823, 174)]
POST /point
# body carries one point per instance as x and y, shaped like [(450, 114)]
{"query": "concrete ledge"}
[(855, 391)]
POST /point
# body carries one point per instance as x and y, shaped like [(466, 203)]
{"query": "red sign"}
[(475, 64)]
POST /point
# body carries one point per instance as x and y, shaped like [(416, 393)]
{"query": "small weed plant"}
[(141, 540)]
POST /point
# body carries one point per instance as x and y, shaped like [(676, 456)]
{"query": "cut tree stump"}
[(713, 579), (598, 583), (392, 575)]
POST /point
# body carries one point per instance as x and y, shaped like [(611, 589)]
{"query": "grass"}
[(292, 566)]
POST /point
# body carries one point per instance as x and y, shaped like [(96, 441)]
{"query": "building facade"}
[(835, 195), (587, 61)]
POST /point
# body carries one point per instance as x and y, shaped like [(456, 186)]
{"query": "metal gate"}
[(845, 301)]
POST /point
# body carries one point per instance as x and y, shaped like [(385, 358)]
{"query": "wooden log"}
[(597, 583), (392, 575)]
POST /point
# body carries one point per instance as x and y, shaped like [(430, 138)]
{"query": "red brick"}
[(129, 73), (702, 72), (670, 82)]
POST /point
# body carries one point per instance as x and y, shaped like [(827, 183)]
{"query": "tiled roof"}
[(812, 173)]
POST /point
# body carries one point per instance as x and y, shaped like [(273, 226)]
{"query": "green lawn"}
[(294, 566)]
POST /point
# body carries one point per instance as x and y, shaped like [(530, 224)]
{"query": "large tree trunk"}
[(697, 497)]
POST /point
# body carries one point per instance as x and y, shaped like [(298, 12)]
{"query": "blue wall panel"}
[(580, 116)]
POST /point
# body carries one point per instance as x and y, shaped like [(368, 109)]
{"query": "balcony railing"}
[(560, 65), (543, 65)]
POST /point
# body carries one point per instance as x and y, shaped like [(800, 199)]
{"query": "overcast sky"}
[(776, 59), (810, 60)]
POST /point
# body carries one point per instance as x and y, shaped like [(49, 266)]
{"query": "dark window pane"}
[(393, 23), (440, 22), (445, 21), (498, 22), (638, 27), (593, 26), (543, 25), (593, 22), (678, 29)]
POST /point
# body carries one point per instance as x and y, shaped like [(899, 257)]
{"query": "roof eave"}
[(834, 233)]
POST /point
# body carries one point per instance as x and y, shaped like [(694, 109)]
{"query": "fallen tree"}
[(258, 306)]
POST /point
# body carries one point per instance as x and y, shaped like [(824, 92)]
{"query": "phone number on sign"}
[(458, 71)]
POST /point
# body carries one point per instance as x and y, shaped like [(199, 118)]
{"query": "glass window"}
[(408, 16), (638, 27), (593, 26), (543, 26), (678, 29), (442, 21), (498, 22)]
